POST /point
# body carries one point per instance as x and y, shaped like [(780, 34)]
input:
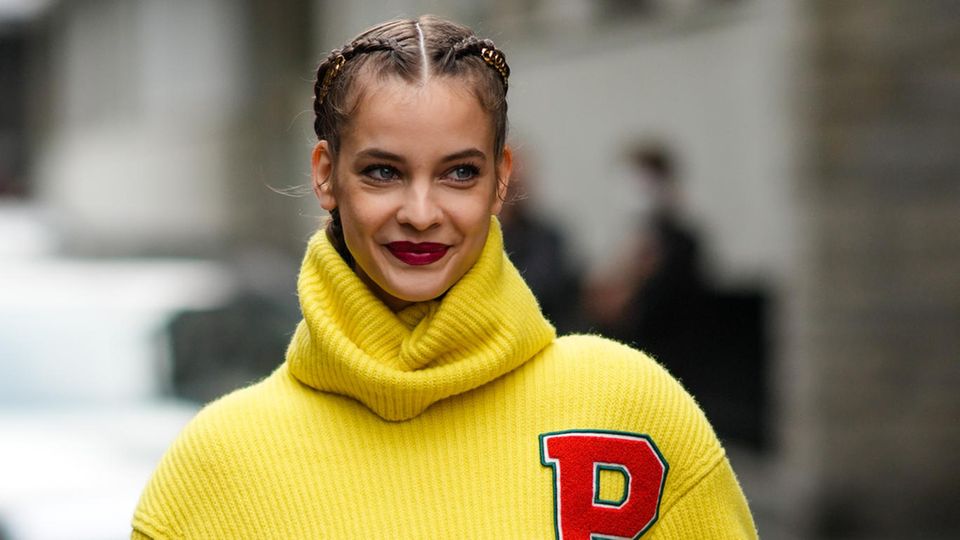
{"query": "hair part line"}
[(425, 70)]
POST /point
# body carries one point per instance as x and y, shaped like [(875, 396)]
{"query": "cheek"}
[(474, 217), (361, 213), (489, 207), (475, 206)]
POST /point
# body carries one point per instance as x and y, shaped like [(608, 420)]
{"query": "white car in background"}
[(83, 368)]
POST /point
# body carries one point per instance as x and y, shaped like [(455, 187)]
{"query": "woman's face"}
[(416, 182)]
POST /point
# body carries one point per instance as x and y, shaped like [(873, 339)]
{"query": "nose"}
[(418, 208)]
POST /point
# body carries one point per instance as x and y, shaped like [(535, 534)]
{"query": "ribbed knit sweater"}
[(458, 418)]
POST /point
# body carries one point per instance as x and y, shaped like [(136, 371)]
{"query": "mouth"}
[(418, 254)]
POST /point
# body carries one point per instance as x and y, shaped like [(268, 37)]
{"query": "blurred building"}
[(874, 353), (819, 143)]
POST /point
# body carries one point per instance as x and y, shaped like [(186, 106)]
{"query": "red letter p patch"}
[(579, 458)]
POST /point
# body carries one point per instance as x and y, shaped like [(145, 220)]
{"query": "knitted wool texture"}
[(426, 423)]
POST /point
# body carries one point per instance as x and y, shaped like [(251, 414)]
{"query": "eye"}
[(381, 173), (463, 173)]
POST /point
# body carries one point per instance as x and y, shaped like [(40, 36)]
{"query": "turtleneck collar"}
[(398, 364)]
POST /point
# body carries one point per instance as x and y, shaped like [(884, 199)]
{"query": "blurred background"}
[(764, 194)]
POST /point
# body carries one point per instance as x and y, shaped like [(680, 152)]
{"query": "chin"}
[(421, 290), (418, 295)]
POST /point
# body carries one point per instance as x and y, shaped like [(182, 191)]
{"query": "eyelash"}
[(473, 170), (370, 171)]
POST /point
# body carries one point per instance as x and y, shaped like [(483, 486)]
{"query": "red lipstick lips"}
[(418, 254)]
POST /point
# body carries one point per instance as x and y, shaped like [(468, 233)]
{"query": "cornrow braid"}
[(496, 59), (326, 72), (329, 68), (485, 49), (369, 44)]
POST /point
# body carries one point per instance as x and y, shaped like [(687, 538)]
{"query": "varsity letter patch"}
[(607, 484)]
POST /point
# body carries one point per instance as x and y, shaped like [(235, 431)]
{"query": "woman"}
[(423, 394)]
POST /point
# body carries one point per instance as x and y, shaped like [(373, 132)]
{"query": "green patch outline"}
[(552, 464), (597, 501)]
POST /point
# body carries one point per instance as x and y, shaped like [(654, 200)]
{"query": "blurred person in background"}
[(538, 250), (652, 296), (424, 393)]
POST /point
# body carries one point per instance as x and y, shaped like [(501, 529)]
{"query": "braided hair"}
[(412, 49)]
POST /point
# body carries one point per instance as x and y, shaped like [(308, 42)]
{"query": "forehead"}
[(437, 115)]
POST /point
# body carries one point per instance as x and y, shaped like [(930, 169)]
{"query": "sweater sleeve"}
[(713, 509)]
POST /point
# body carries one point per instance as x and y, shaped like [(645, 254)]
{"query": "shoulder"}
[(601, 347), (617, 371), (246, 406), (214, 455), (614, 387), (591, 358), (262, 414)]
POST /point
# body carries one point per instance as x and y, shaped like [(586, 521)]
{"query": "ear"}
[(321, 166), (504, 169)]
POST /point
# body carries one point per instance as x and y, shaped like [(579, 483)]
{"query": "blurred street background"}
[(763, 194)]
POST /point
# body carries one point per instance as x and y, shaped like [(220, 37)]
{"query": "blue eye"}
[(381, 173), (463, 173)]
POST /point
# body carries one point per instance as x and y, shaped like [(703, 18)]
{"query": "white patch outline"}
[(597, 465)]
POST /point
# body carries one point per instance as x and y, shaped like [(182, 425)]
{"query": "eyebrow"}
[(469, 152), (377, 153)]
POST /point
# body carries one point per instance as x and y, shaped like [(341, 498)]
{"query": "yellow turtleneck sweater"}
[(458, 418)]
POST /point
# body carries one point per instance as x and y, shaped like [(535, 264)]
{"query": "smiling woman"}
[(415, 183), (424, 394)]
